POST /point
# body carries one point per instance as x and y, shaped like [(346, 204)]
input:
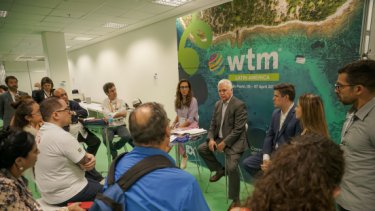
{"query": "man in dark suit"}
[(76, 128), (227, 134), (7, 98), (283, 127)]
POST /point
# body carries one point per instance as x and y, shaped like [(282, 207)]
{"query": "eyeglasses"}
[(184, 87), (340, 86), (66, 109)]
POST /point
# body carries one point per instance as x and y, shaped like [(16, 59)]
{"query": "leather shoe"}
[(234, 204), (217, 176)]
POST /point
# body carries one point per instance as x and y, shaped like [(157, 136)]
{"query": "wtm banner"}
[(257, 44)]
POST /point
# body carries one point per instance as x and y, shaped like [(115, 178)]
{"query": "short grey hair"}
[(226, 82)]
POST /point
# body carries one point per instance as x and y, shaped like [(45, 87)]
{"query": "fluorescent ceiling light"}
[(114, 25), (83, 38), (3, 13), (173, 3)]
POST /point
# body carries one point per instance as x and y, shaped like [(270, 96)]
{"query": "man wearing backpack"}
[(164, 188)]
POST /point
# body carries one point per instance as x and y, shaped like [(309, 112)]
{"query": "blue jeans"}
[(122, 132)]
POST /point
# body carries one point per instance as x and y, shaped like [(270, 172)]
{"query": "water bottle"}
[(110, 119)]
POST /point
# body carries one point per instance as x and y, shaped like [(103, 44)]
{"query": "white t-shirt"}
[(57, 173)]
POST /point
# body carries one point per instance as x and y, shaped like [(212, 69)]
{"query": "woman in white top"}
[(27, 116)]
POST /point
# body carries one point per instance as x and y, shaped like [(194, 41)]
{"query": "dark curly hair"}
[(179, 103), (302, 176)]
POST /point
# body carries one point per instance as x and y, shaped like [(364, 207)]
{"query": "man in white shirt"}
[(114, 111), (62, 162), (283, 127)]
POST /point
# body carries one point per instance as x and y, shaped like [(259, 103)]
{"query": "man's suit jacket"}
[(81, 112), (6, 110), (290, 128), (234, 126)]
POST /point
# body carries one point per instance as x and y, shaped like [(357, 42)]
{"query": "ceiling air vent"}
[(30, 58)]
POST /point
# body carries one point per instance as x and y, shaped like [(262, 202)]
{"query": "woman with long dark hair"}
[(186, 107)]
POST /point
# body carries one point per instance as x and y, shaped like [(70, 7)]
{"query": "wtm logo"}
[(254, 61)]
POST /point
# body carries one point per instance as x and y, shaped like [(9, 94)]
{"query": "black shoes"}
[(217, 176)]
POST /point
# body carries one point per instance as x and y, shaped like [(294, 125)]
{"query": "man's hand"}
[(265, 165), (212, 145), (90, 162), (221, 146)]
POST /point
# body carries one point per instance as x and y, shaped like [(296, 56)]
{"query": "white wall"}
[(130, 61), (27, 73)]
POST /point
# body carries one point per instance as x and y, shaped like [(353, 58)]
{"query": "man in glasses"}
[(75, 127), (62, 162), (355, 86)]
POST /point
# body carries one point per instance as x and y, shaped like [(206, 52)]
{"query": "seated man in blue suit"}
[(283, 127)]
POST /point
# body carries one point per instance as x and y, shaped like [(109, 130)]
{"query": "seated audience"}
[(46, 90), (161, 189), (310, 112), (18, 152), (114, 111), (186, 107), (304, 175), (60, 169)]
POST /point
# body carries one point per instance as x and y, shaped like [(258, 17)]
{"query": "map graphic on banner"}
[(257, 44)]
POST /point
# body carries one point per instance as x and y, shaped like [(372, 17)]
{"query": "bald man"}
[(76, 128)]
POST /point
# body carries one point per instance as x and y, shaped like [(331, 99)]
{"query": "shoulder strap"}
[(111, 171), (142, 168)]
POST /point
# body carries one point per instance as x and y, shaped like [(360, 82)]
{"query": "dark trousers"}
[(231, 168), (88, 193), (121, 131), (92, 142), (252, 164)]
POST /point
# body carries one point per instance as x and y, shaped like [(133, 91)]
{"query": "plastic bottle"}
[(110, 119)]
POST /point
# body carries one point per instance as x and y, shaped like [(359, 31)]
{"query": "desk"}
[(195, 135), (93, 107)]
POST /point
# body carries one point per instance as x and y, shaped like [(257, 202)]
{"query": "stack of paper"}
[(192, 132)]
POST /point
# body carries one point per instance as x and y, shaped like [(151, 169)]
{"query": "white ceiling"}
[(20, 31)]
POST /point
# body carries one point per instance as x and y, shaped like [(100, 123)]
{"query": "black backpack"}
[(113, 197)]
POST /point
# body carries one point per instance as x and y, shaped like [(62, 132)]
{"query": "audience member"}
[(18, 152), (304, 175), (186, 107), (356, 86), (3, 89), (46, 90), (79, 132), (161, 189), (60, 169), (75, 127), (283, 127), (227, 133), (7, 98), (114, 111), (27, 116), (310, 112)]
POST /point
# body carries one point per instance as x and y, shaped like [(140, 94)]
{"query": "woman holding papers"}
[(187, 112)]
